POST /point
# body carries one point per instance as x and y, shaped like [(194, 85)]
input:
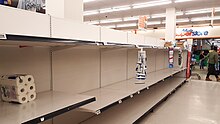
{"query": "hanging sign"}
[(191, 32), (142, 22)]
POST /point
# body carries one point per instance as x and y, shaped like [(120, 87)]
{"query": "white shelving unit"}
[(63, 54), (46, 106), (133, 109), (116, 93)]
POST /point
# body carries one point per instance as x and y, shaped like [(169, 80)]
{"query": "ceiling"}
[(181, 7)]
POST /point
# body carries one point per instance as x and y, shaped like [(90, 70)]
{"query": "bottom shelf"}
[(47, 105), (133, 109)]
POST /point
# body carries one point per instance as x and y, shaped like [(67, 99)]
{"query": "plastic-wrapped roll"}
[(18, 99), (29, 79), (12, 80), (31, 96), (13, 90), (31, 87)]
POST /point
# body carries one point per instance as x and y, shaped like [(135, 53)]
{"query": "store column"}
[(170, 34), (68, 9)]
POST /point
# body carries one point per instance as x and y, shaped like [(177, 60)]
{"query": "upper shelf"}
[(115, 93), (22, 22), (12, 39), (46, 106), (21, 27)]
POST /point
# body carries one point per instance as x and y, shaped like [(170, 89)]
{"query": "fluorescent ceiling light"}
[(92, 22), (87, 1), (106, 10), (178, 20), (205, 18), (93, 12), (217, 9), (199, 11), (151, 4), (179, 13), (131, 18), (121, 8), (114, 9), (162, 15), (182, 20), (109, 26), (127, 25), (180, 1), (153, 23), (110, 21), (158, 15)]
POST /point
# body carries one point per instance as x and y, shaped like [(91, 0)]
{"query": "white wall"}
[(113, 66), (30, 60), (76, 70), (151, 60), (132, 60)]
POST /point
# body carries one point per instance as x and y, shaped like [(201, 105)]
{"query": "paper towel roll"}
[(31, 96), (18, 99), (29, 79), (31, 87), (13, 90), (12, 80)]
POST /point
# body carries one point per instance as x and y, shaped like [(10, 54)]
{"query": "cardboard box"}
[(180, 44), (167, 44)]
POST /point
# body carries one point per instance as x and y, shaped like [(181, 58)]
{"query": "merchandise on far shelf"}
[(168, 44), (141, 68), (171, 54)]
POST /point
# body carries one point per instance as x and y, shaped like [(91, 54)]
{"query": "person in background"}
[(212, 60), (31, 5), (201, 58)]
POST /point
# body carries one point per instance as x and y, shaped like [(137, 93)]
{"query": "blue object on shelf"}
[(2, 2)]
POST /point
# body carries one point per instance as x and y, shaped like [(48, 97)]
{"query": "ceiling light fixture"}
[(205, 18), (93, 12), (115, 9), (126, 25), (109, 26), (134, 18), (87, 1), (151, 4), (110, 21), (92, 22), (162, 15), (199, 11), (182, 20), (154, 23), (180, 1)]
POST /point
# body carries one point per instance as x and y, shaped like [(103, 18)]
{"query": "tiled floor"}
[(202, 73), (197, 102)]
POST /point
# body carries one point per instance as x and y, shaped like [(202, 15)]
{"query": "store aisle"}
[(197, 102)]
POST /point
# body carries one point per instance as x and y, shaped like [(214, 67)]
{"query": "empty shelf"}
[(132, 109), (47, 105), (115, 93)]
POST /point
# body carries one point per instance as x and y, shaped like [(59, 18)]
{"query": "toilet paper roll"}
[(29, 79), (12, 80), (31, 87), (13, 90), (31, 96), (18, 99)]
